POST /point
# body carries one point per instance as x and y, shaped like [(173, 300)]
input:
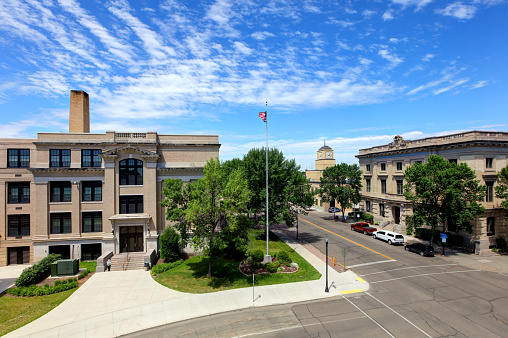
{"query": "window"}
[(60, 223), (419, 162), (489, 197), (400, 187), (131, 172), (19, 192), (60, 192), (489, 162), (367, 167), (491, 226), (92, 222), (382, 210), (90, 158), (18, 158), (453, 160), (399, 165), (383, 166), (60, 158), (367, 205), (91, 191), (383, 186), (367, 184), (19, 225), (132, 204)]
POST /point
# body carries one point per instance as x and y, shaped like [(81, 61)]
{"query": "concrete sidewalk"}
[(9, 274), (111, 304)]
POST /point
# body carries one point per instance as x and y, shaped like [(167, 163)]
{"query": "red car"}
[(363, 227)]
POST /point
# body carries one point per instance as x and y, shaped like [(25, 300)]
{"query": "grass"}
[(192, 275), (16, 312)]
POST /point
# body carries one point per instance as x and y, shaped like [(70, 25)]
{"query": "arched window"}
[(131, 172)]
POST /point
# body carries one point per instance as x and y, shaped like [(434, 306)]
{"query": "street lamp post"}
[(326, 288), (297, 226)]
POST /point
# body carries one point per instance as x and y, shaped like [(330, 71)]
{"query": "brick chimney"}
[(79, 113)]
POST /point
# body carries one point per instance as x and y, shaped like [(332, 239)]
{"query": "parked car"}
[(422, 249), (389, 236), (363, 227), (334, 209)]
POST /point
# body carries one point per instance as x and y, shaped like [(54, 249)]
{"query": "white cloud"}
[(453, 85), (261, 35), (368, 13), (479, 84), (242, 48), (459, 11), (393, 58), (387, 16), (418, 3), (428, 57)]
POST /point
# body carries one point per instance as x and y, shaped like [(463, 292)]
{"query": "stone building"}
[(383, 176), (324, 159), (82, 194)]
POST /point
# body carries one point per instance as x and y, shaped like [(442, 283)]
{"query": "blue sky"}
[(355, 73)]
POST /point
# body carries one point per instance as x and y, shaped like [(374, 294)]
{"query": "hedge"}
[(160, 268), (33, 290), (38, 272)]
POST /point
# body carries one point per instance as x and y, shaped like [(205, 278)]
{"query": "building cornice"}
[(38, 170)]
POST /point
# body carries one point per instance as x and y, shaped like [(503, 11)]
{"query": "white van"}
[(389, 236)]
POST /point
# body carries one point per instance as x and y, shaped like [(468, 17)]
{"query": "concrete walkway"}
[(9, 274), (111, 304)]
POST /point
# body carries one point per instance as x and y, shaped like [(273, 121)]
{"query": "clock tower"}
[(325, 157)]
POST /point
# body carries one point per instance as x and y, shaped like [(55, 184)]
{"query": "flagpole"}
[(267, 259)]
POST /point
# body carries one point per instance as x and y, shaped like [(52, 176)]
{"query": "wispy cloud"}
[(458, 10), (453, 85)]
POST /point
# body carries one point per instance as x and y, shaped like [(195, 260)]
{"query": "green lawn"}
[(16, 312), (191, 276)]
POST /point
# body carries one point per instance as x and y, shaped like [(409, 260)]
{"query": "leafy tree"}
[(288, 188), (341, 183), (170, 244), (502, 188), (209, 209), (442, 192)]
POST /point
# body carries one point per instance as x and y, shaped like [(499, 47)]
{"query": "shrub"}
[(33, 290), (257, 255), (84, 274), (38, 272), (160, 268), (367, 217), (272, 267), (170, 243), (283, 256)]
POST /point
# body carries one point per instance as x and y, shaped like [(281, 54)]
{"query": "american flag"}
[(262, 115)]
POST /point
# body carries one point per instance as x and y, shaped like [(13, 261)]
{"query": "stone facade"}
[(84, 194), (324, 159), (383, 176)]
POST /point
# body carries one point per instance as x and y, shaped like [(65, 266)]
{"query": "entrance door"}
[(131, 239), (19, 255), (396, 214)]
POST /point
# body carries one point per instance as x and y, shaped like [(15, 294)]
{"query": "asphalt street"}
[(409, 296)]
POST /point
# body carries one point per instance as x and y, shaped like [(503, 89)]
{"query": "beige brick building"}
[(324, 159), (383, 176), (81, 194)]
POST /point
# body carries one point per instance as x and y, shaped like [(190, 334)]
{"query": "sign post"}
[(443, 240)]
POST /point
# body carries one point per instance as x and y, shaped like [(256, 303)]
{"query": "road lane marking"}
[(347, 292), (401, 316), (361, 280), (363, 246), (378, 262), (385, 330), (410, 267), (425, 274)]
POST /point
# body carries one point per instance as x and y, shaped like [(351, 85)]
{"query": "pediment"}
[(129, 149)]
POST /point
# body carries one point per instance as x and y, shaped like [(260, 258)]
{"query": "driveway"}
[(9, 274)]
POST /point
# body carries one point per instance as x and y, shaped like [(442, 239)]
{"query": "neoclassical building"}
[(383, 176), (82, 194), (324, 159)]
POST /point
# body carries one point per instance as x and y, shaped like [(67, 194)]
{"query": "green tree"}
[(170, 244), (341, 183), (209, 209), (288, 189), (502, 188), (442, 192)]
